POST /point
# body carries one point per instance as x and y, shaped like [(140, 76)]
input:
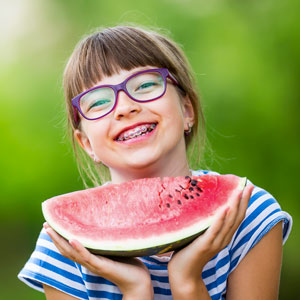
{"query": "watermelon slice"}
[(141, 217)]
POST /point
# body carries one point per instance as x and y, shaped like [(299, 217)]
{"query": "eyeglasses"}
[(144, 86)]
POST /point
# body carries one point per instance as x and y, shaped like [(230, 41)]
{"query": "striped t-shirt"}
[(47, 266)]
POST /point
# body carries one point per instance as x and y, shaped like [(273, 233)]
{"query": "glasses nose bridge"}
[(120, 87)]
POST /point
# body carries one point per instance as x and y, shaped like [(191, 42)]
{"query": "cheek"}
[(96, 133)]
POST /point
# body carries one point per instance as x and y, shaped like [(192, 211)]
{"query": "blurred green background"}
[(246, 58)]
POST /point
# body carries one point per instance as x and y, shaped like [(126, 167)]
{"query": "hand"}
[(129, 274), (187, 264)]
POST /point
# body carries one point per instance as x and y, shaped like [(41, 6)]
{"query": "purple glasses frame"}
[(164, 72)]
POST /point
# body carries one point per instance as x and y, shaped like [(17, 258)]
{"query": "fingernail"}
[(45, 225)]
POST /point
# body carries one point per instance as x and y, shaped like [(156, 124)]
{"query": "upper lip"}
[(130, 127)]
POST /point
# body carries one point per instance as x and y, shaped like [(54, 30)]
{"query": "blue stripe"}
[(37, 284), (156, 267), (56, 269), (257, 195), (93, 278), (161, 291), (54, 283), (96, 279), (164, 279), (220, 263), (221, 279), (104, 295), (55, 255)]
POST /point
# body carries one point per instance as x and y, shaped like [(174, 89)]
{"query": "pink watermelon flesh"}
[(141, 217)]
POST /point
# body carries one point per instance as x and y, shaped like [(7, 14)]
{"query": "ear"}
[(85, 144), (188, 113)]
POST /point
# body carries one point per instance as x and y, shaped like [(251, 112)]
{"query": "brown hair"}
[(109, 50)]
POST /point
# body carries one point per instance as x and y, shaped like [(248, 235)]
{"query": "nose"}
[(126, 107)]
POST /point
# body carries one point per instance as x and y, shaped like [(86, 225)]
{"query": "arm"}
[(258, 274), (54, 294)]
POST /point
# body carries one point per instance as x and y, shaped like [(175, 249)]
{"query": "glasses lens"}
[(146, 86), (97, 103)]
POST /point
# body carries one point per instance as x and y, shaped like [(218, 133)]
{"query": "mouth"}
[(135, 132)]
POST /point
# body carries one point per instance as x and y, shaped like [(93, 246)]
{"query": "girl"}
[(132, 107)]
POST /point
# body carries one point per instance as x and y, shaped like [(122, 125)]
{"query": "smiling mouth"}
[(136, 132)]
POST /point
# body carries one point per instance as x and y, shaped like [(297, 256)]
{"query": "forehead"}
[(121, 75)]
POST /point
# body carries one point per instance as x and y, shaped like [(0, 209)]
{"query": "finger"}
[(97, 263), (62, 245), (238, 208), (235, 216), (85, 257), (245, 201), (213, 231), (232, 213)]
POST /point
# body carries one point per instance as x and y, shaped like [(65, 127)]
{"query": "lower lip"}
[(139, 138)]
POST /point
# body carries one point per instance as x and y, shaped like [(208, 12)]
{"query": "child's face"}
[(108, 139)]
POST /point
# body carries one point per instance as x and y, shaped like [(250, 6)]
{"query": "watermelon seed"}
[(159, 205), (191, 188), (198, 194), (168, 205), (186, 196), (181, 186), (199, 189), (179, 202), (192, 197), (170, 196), (194, 182), (177, 190), (187, 177)]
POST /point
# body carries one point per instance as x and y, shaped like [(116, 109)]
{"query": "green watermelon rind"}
[(143, 247)]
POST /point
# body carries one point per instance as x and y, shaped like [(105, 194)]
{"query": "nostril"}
[(126, 106)]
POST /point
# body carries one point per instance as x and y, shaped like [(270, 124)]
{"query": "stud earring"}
[(94, 157), (188, 131)]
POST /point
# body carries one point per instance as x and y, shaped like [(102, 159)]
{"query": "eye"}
[(146, 85), (102, 103)]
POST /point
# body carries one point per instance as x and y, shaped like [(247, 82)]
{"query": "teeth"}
[(142, 130)]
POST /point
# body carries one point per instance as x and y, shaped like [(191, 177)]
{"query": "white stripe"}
[(162, 273), (47, 244), (102, 287), (55, 262), (216, 290), (219, 272), (98, 286), (55, 276)]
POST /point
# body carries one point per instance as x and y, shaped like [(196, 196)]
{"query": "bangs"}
[(108, 52)]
